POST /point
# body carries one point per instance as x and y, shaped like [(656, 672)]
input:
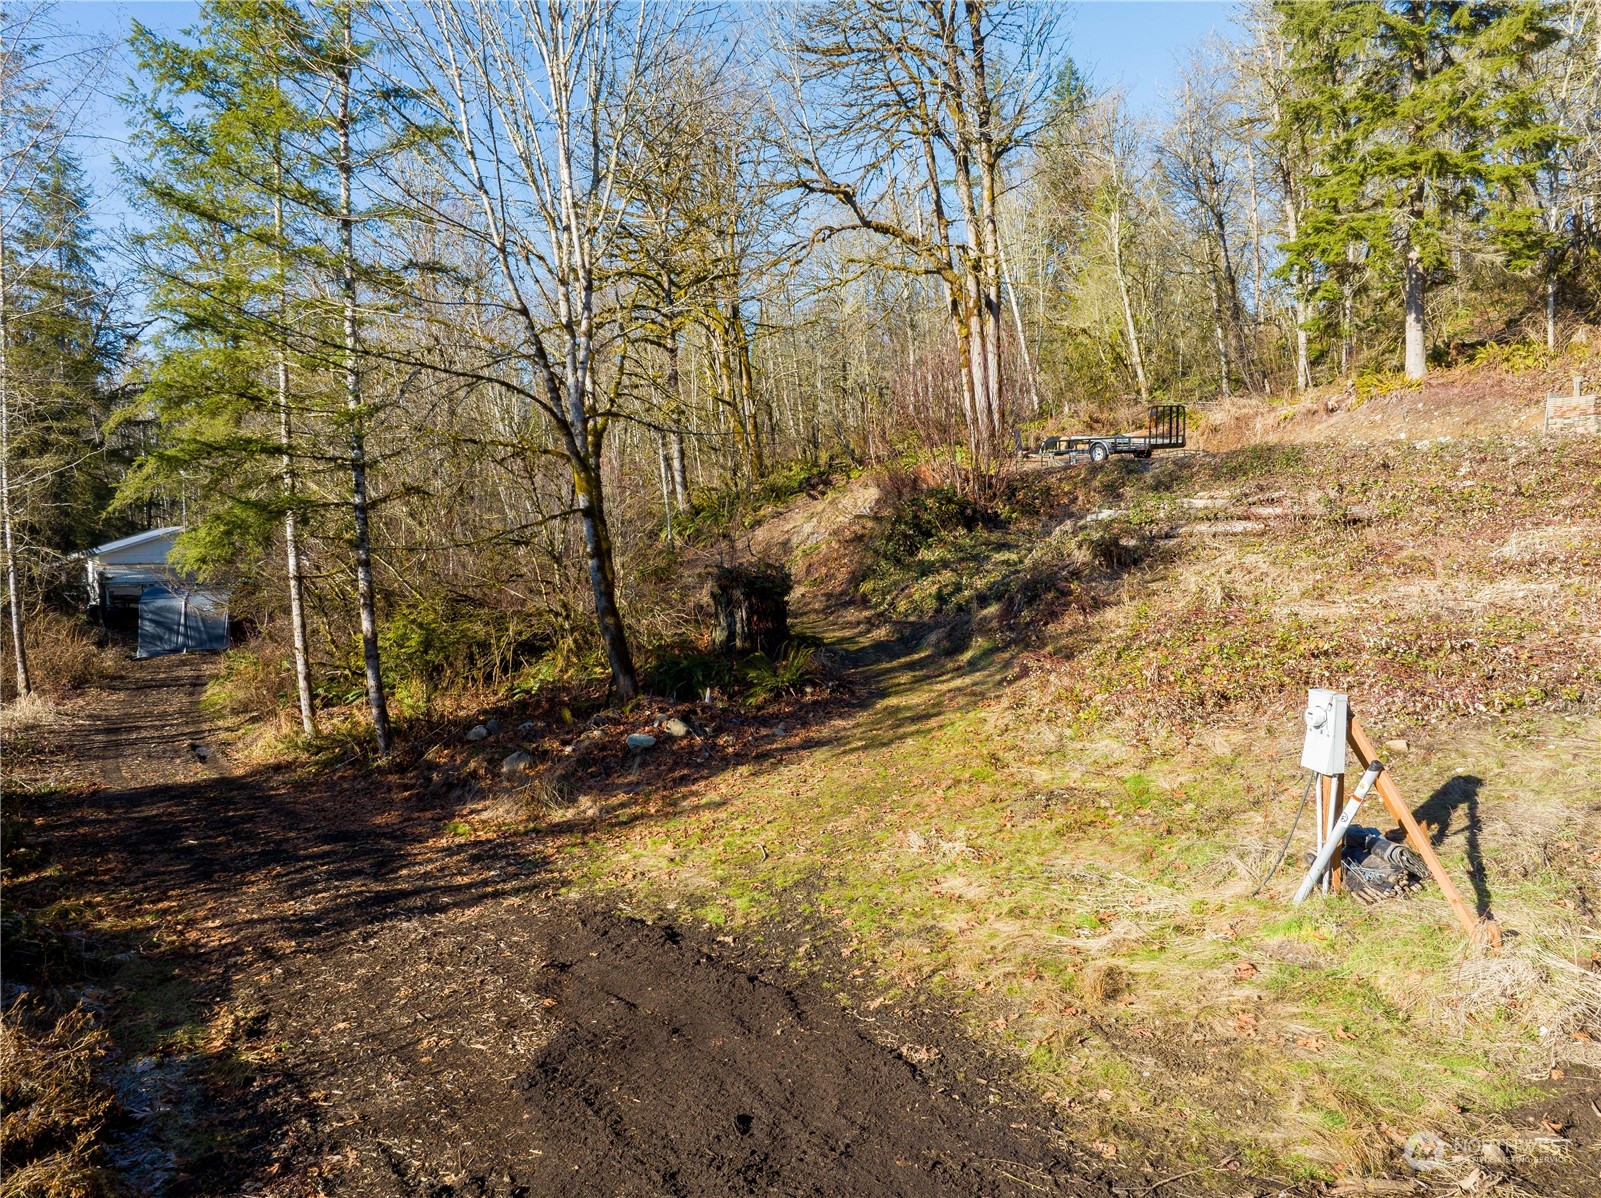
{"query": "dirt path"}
[(340, 1000)]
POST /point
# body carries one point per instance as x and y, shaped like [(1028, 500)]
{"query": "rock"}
[(675, 728), (780, 730), (493, 726), (525, 727), (517, 764), (478, 733), (639, 742), (1105, 514), (1397, 746)]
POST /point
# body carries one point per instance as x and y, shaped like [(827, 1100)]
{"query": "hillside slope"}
[(1076, 761), (1495, 397)]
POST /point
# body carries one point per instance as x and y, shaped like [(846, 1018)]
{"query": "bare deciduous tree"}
[(528, 105), (955, 87)]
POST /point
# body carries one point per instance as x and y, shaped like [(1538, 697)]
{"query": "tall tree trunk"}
[(1353, 253), (675, 439), (7, 529), (745, 378), (297, 583), (1256, 232), (1135, 357), (1303, 361), (1417, 359), (982, 134), (1551, 312), (1022, 338), (7, 532), (603, 579), (667, 495), (742, 389), (679, 469), (365, 591), (980, 352), (1222, 342), (675, 400), (297, 589)]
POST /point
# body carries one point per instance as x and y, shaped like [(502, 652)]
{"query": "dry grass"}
[(54, 1106), (64, 654), (32, 711), (1104, 981), (1085, 823), (1489, 398)]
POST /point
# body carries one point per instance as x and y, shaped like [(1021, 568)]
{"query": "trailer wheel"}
[(1099, 452)]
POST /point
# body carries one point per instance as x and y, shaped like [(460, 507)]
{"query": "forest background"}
[(459, 336)]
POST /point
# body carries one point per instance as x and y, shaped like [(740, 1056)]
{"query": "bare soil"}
[(328, 995), (1455, 403)]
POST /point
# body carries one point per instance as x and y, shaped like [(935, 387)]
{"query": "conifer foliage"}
[(1428, 133), (60, 341)]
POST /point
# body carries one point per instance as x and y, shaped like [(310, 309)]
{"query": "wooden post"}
[(1357, 738), (1335, 805)]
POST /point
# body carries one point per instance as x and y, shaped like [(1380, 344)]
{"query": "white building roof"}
[(141, 549)]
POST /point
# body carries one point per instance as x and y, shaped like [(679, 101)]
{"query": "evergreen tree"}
[(224, 174), (248, 136), (59, 343), (1427, 133)]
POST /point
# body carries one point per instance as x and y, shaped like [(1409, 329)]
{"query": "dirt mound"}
[(1466, 401), (812, 521), (659, 1069)]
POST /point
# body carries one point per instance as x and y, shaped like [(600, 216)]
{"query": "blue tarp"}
[(174, 621)]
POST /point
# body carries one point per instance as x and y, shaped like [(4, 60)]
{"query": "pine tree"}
[(60, 344), (227, 177), (1426, 130)]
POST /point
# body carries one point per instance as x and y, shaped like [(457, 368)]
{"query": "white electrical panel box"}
[(1327, 713)]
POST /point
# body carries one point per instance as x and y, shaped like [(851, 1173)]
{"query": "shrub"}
[(764, 678), (64, 654), (917, 518), (249, 684), (687, 673), (1381, 382), (1115, 545), (1517, 356), (432, 645), (713, 511)]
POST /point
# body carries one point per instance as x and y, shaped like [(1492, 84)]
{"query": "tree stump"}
[(750, 608)]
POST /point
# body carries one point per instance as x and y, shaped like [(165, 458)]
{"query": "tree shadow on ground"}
[(272, 889)]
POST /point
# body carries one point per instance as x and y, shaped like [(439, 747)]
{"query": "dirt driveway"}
[(332, 997)]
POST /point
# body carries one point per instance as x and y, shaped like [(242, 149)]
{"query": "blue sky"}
[(1130, 44)]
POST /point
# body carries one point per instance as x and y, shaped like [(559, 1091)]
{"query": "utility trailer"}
[(1164, 429)]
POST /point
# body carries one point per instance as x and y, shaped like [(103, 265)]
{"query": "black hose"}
[(1305, 795)]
